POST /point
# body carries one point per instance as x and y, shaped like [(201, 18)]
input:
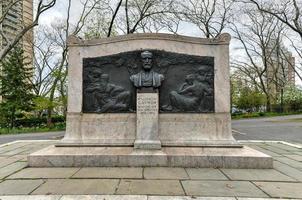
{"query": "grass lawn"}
[(262, 114), (55, 127)]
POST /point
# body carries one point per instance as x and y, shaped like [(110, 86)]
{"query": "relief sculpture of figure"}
[(108, 97), (147, 78), (206, 77), (190, 95)]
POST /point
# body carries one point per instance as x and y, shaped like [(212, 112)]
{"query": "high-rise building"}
[(18, 16), (280, 72)]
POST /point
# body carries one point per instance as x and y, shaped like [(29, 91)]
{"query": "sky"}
[(58, 13)]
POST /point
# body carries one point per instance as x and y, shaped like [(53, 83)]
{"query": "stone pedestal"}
[(198, 136), (147, 136), (203, 157)]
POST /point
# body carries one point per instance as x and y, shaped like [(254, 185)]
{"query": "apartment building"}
[(280, 73), (18, 16)]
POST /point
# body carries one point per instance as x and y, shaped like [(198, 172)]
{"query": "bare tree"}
[(59, 36), (41, 8), (287, 11), (210, 16), (142, 13), (45, 52), (259, 36), (297, 47), (130, 16)]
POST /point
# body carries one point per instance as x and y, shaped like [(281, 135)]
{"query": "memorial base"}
[(202, 157), (147, 144)]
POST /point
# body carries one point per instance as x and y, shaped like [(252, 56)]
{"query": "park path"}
[(32, 136), (284, 128)]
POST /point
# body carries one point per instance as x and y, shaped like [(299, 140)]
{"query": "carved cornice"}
[(223, 39)]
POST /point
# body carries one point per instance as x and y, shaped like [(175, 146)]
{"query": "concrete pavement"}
[(284, 181)]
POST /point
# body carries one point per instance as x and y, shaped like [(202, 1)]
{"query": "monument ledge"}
[(203, 157)]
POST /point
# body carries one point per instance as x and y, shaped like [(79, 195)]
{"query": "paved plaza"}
[(284, 181)]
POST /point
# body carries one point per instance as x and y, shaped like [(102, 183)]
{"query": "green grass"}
[(55, 127), (262, 114)]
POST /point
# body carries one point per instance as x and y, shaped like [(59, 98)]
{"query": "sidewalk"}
[(284, 181)]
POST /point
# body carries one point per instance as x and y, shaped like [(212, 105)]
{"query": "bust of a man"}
[(147, 78)]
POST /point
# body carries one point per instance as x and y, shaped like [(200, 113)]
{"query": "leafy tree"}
[(293, 98), (250, 99), (15, 87), (41, 104)]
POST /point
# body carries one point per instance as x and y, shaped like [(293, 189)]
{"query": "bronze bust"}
[(147, 78)]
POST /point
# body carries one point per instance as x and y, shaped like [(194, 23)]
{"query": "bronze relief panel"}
[(185, 82)]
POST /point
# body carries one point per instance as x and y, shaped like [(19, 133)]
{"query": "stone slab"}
[(150, 187), (205, 174), (165, 173), (6, 161), (289, 171), (270, 153), (256, 175), (11, 147), (109, 128), (222, 188), (189, 198), (9, 169), (19, 187), (166, 157), (281, 189), (283, 146), (147, 108), (291, 162), (239, 198), (16, 151), (34, 173), (276, 149), (295, 157), (297, 152), (174, 129), (78, 186), (109, 172), (20, 157), (104, 197), (195, 129), (31, 197)]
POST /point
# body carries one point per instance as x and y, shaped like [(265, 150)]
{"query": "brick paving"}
[(17, 181)]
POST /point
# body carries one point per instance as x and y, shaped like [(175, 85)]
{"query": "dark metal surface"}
[(188, 85), (147, 78)]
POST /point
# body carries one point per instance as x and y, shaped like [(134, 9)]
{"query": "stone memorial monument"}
[(149, 100)]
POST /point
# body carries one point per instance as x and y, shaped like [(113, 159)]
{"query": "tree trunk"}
[(49, 121), (281, 103), (268, 104), (49, 110), (12, 120)]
